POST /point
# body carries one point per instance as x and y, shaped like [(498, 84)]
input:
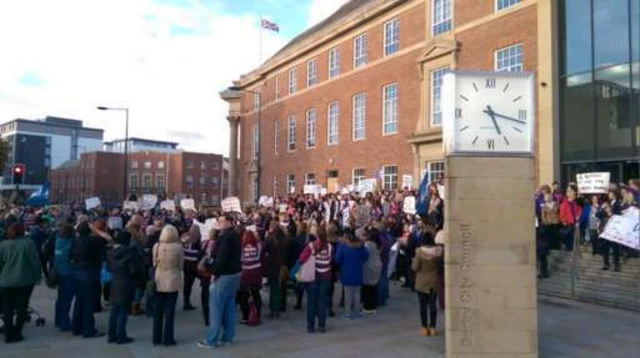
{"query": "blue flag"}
[(422, 204)]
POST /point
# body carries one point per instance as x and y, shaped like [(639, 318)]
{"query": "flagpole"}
[(260, 41)]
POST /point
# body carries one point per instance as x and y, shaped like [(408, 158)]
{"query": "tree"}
[(4, 154)]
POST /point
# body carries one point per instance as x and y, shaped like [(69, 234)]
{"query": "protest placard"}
[(292, 190), (206, 227), (367, 186), (407, 182), (593, 183), (131, 205), (624, 229), (323, 191), (188, 204), (115, 223), (231, 205), (409, 206), (282, 208), (312, 189), (149, 201), (168, 205), (92, 203)]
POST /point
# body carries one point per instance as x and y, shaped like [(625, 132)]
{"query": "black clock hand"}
[(506, 117), (493, 118)]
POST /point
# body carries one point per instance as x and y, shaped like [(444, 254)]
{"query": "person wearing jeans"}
[(351, 256), (66, 289), (225, 283), (168, 260), (318, 291), (426, 265)]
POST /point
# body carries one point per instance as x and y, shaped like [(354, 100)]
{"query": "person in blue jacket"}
[(350, 257)]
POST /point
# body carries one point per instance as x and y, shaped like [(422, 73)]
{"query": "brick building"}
[(358, 95), (173, 175)]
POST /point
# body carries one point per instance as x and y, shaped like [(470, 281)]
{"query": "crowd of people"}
[(568, 219), (138, 263)]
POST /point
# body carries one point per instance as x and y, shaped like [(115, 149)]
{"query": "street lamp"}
[(255, 93), (126, 142)]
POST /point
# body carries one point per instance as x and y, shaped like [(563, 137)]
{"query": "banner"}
[(624, 229), (131, 205), (593, 183), (409, 206), (168, 205), (312, 189), (188, 204), (407, 182), (231, 204), (149, 201), (92, 203), (367, 186)]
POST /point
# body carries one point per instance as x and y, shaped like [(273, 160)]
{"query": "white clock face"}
[(489, 112)]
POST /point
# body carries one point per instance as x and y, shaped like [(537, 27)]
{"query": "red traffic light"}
[(18, 170)]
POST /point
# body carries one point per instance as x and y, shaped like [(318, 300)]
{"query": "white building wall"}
[(88, 145)]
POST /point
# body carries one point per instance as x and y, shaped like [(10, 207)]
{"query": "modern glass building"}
[(599, 85)]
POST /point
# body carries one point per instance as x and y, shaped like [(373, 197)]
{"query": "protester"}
[(63, 267), (272, 266), (168, 259), (426, 264), (20, 270), (318, 290), (251, 278), (371, 273), (205, 273), (299, 244), (570, 213), (192, 251), (351, 256), (594, 225)]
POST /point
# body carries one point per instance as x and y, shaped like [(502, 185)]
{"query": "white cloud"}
[(321, 9), (122, 53)]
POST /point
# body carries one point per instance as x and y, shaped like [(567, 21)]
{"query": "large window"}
[(277, 87), (358, 176), (503, 4), (311, 128), (133, 182), (436, 96), (359, 112), (333, 117), (390, 177), (146, 182), (276, 136), (334, 62), (360, 51), (256, 141), (310, 179), (291, 183), (293, 80), (391, 37), (160, 182), (440, 17), (291, 134), (509, 59), (390, 109), (312, 73), (435, 170)]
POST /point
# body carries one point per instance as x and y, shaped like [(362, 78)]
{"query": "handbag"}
[(294, 271), (254, 318), (205, 265), (307, 271)]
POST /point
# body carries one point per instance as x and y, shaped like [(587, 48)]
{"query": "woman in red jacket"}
[(251, 278), (570, 213)]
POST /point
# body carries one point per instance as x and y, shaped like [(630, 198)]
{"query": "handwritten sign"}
[(292, 190), (168, 205), (231, 205), (92, 203), (131, 205), (312, 189), (407, 182), (149, 201), (593, 183), (188, 204), (367, 186), (624, 229), (409, 206)]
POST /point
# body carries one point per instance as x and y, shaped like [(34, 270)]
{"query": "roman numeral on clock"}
[(491, 144), (458, 112), (490, 82)]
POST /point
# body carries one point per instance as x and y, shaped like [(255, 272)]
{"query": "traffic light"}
[(18, 173)]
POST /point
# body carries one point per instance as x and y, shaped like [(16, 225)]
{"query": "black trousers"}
[(428, 309), (330, 291), (243, 300), (607, 247), (204, 299), (164, 318), (544, 264), (369, 296), (15, 305), (190, 273)]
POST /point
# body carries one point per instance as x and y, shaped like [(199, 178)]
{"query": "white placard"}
[(149, 201), (168, 205), (367, 186), (206, 228), (323, 191), (131, 205), (409, 206), (293, 190), (593, 183), (263, 200), (282, 208), (92, 203), (231, 205), (624, 229), (312, 189), (344, 191), (188, 204), (115, 223), (441, 191), (407, 182), (269, 203)]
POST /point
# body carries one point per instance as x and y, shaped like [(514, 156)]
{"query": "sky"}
[(166, 60)]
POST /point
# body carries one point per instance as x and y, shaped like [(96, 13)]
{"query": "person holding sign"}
[(605, 215)]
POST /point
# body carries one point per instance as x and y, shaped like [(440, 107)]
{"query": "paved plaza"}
[(567, 329)]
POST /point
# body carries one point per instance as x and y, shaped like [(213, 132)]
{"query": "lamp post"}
[(258, 154), (126, 142)]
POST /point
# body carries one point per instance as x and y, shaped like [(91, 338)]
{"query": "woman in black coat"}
[(127, 268)]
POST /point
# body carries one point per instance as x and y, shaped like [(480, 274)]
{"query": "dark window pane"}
[(613, 96), (611, 32), (577, 28), (635, 53), (578, 122)]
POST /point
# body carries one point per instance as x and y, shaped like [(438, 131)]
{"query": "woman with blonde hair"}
[(168, 259)]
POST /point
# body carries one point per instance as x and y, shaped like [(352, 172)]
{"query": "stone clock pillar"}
[(490, 248)]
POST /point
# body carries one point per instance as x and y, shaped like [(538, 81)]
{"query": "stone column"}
[(233, 154)]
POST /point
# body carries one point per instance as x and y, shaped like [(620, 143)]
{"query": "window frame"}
[(293, 80), (506, 49), (435, 30), (360, 61), (276, 136), (310, 128), (255, 153), (312, 72), (354, 111), (430, 172), (509, 6), (334, 55), (394, 45), (308, 176), (359, 178), (291, 134), (385, 102), (432, 101), (385, 176), (291, 182), (330, 118)]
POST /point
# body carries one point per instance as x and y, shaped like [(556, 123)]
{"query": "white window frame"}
[(254, 189), (293, 80), (360, 51), (510, 52), (276, 136), (277, 87), (256, 100), (390, 110), (291, 134), (359, 125), (291, 182), (310, 179), (433, 111), (391, 37), (389, 176), (439, 17), (509, 4), (357, 177), (333, 123), (434, 169), (310, 125), (312, 72), (334, 62), (275, 186), (256, 142)]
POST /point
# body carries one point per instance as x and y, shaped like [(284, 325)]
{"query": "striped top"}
[(251, 255), (192, 252)]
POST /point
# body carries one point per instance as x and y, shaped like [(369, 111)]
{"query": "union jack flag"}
[(269, 25)]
